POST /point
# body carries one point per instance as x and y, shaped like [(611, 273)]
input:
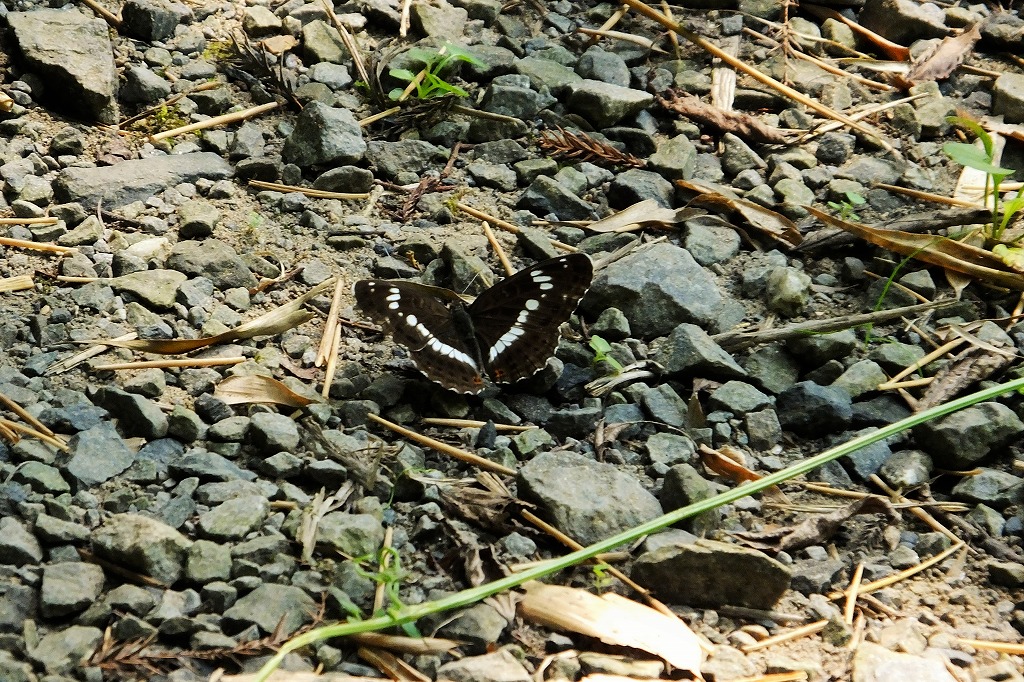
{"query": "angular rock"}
[(157, 288), (659, 287), (707, 573), (546, 196), (64, 650), (500, 666), (151, 20), (604, 104), (270, 606), (689, 350), (17, 545), (136, 414), (136, 180), (142, 544), (98, 454), (69, 588), (271, 433), (964, 438), (212, 259), (72, 54), (324, 135), (234, 519), (588, 500), (814, 410), (349, 534)]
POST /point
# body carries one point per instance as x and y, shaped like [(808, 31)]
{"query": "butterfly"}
[(506, 334)]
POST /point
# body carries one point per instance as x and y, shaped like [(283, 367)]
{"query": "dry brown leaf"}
[(406, 645), (278, 320), (256, 388), (943, 59), (16, 283), (976, 263), (765, 220), (391, 665), (967, 368), (815, 530), (614, 620), (484, 508), (736, 122), (646, 213)]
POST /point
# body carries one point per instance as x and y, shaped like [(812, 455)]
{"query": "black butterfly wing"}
[(421, 318), (517, 320)]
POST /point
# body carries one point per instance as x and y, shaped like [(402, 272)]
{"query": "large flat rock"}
[(72, 55), (136, 180)]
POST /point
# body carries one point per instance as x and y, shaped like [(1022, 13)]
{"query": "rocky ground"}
[(163, 512)]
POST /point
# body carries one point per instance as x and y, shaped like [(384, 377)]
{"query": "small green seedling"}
[(602, 577), (428, 83), (845, 208), (601, 349), (389, 573), (984, 160)]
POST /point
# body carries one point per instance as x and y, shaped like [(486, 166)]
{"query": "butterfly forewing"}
[(517, 319), (420, 318)]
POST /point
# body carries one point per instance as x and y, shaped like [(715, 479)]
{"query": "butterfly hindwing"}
[(420, 318), (517, 319)]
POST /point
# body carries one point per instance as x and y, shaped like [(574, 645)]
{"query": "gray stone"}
[(875, 662), (324, 135), (676, 158), (392, 158), (270, 606), (737, 156), (439, 20), (814, 410), (683, 486), (604, 104), (481, 625), (596, 64), (321, 42), (72, 53), (635, 185), (514, 100), (818, 349), (739, 398), (151, 20), (42, 478), (17, 545), (545, 196), (1008, 97), (688, 350), (234, 518), (136, 180), (995, 488), (709, 574), (962, 439), (499, 177), (868, 170), (588, 500), (349, 534), (658, 288), (334, 76), (545, 73), (260, 22), (64, 650), (903, 21), (156, 288), (345, 179), (213, 259), (196, 219), (69, 588), (54, 531), (142, 544), (664, 405), (137, 415), (500, 666), (271, 432), (670, 449), (907, 469), (18, 603), (861, 377), (142, 86), (13, 670), (98, 454), (208, 466)]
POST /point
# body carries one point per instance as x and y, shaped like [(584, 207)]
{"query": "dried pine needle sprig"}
[(566, 144)]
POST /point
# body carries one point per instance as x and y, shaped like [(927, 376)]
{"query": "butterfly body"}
[(506, 334)]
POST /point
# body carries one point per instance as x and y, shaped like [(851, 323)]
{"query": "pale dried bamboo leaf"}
[(256, 388)]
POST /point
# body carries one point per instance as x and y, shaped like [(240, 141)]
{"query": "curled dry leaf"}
[(278, 320), (646, 213), (256, 388), (940, 62), (817, 529), (736, 122), (764, 220), (972, 261), (967, 368), (613, 620)]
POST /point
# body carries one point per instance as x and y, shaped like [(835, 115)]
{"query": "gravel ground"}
[(158, 531)]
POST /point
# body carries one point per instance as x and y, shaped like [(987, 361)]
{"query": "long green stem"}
[(473, 595)]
